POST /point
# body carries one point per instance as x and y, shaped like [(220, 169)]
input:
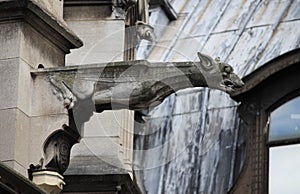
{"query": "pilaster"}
[(30, 37)]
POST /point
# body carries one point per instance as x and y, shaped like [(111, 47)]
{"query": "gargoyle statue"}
[(138, 85)]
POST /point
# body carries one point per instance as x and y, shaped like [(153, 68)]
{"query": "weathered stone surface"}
[(16, 166), (14, 139), (103, 42), (105, 124), (83, 13), (44, 101), (36, 49), (55, 7), (10, 40), (40, 128), (9, 71), (93, 165), (97, 146), (8, 132)]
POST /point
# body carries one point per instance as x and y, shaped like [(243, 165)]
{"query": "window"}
[(285, 123), (284, 158), (270, 115)]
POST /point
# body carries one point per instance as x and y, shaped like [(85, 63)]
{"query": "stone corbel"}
[(120, 7)]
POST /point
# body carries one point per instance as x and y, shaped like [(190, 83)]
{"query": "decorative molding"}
[(56, 151), (87, 2), (43, 21)]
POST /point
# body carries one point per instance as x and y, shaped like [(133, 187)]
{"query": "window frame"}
[(267, 88)]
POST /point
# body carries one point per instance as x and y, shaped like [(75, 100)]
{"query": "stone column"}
[(108, 136), (32, 35)]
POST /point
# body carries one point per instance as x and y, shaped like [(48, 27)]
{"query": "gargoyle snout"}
[(238, 83)]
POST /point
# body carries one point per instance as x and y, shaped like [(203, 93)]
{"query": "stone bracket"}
[(56, 151)]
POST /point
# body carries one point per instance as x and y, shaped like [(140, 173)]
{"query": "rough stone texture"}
[(246, 34), (16, 166), (54, 7), (35, 49), (104, 39), (10, 40), (9, 70), (29, 110), (106, 134), (41, 127)]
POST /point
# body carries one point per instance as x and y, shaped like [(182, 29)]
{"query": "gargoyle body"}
[(139, 85), (134, 85)]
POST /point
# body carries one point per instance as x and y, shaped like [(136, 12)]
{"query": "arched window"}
[(270, 115), (285, 123)]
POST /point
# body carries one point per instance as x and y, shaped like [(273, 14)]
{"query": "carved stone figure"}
[(135, 85), (144, 31)]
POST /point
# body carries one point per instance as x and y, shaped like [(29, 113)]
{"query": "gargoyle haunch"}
[(138, 85)]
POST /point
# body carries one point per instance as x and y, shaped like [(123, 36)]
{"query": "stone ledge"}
[(43, 21)]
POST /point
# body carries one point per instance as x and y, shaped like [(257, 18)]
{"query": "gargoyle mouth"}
[(230, 85)]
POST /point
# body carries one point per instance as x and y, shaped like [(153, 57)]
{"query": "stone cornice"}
[(88, 2), (40, 19)]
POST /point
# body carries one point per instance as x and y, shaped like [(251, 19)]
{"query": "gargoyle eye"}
[(228, 69)]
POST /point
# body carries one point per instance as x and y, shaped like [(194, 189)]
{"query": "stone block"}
[(105, 124), (103, 42), (15, 137), (87, 12), (23, 138), (9, 73), (16, 166), (92, 165), (7, 134), (9, 40), (97, 146), (44, 101), (54, 7), (41, 127), (36, 49), (24, 87)]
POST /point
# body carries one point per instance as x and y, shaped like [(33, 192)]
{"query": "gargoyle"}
[(143, 92), (134, 85), (138, 85)]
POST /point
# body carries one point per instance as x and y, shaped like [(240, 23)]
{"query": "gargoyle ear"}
[(206, 62)]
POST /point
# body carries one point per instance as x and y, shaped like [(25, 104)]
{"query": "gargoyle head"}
[(218, 74), (145, 31)]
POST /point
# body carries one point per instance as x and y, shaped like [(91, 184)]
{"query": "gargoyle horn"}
[(205, 61)]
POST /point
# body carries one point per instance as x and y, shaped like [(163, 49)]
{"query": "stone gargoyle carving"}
[(134, 85), (138, 85), (144, 31)]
